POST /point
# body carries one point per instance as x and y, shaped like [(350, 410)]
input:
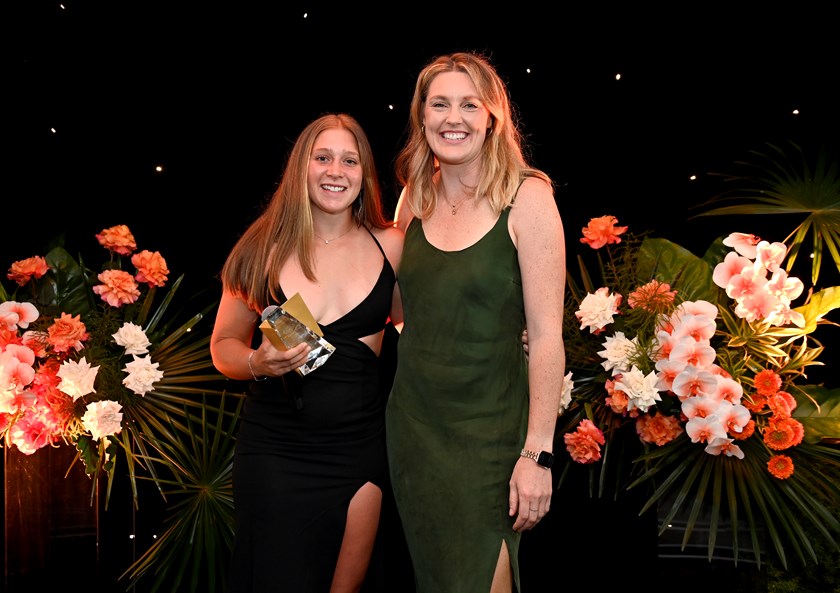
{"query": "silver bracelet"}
[(250, 368)]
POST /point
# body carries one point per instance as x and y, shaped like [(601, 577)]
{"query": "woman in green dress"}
[(470, 420)]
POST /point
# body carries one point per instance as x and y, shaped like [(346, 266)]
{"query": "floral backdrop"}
[(115, 363), (703, 362)]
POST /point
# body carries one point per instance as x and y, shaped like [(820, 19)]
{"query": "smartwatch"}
[(543, 458)]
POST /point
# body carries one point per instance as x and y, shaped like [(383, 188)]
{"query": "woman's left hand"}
[(530, 494)]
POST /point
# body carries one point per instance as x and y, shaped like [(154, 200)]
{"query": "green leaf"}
[(63, 289), (89, 453), (665, 261), (818, 409)]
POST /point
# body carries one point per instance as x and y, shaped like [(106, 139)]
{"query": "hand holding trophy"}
[(292, 323)]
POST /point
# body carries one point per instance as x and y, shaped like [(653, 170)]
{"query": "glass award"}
[(285, 331)]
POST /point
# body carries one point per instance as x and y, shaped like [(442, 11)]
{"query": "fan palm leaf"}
[(194, 549), (783, 181)]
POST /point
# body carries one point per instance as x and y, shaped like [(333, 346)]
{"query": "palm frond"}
[(194, 549), (784, 181), (682, 473)]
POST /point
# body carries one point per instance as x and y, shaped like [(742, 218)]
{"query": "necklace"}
[(456, 205), (328, 241)]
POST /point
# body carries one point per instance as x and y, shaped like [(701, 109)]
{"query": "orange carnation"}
[(584, 445), (602, 231), (659, 428), (118, 288), (117, 239), (745, 433), (617, 399), (767, 382), (782, 433), (654, 297), (755, 403), (151, 268), (22, 271), (779, 405)]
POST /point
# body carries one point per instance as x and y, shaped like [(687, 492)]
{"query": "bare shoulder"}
[(535, 192), (403, 214), (391, 240), (535, 204), (388, 235)]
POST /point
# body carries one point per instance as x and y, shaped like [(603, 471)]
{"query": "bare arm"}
[(540, 240), (402, 216), (230, 344)]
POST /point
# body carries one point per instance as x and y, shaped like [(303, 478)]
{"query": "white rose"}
[(133, 338), (142, 374), (103, 418), (77, 378)]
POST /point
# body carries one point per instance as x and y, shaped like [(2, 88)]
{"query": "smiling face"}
[(334, 177), (456, 120)]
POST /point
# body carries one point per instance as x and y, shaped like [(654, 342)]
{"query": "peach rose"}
[(67, 332)]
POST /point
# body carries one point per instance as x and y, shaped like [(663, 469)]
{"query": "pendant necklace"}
[(328, 241), (456, 205)]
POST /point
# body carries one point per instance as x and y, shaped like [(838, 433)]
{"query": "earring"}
[(359, 205), (489, 130), (423, 128)]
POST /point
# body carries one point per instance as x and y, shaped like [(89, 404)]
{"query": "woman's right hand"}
[(268, 361)]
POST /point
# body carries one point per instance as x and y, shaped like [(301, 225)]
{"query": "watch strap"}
[(542, 458)]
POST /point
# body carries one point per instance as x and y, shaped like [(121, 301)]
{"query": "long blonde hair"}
[(503, 164), (284, 228)]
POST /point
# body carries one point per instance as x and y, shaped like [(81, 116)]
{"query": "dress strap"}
[(375, 241), (516, 193)]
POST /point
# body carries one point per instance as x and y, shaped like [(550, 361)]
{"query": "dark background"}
[(98, 94), (217, 94)]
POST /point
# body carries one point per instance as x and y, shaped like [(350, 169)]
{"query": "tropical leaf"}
[(818, 409), (665, 261), (682, 472), (784, 181), (63, 289), (193, 552)]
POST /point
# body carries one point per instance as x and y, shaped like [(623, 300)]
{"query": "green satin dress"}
[(458, 409)]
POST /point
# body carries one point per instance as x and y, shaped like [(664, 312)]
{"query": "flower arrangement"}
[(109, 363), (697, 364), (44, 372), (80, 352)]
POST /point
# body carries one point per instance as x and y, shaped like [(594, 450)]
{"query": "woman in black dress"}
[(310, 463)]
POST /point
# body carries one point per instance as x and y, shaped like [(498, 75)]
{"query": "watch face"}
[(545, 459)]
